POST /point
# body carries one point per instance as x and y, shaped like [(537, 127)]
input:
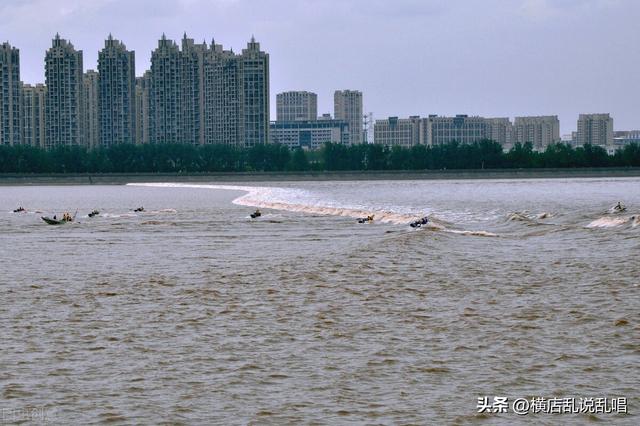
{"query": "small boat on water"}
[(618, 208), (19, 210), (418, 223), (368, 219), (52, 221), (255, 214), (139, 209), (55, 221), (94, 213)]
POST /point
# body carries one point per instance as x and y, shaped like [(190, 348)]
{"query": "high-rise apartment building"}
[(10, 95), (192, 88), (142, 108), (595, 129), (255, 94), (540, 131), (394, 131), (90, 109), (223, 106), (204, 94), (165, 93), (33, 112), (116, 93), (193, 94), (63, 76), (297, 106), (347, 106)]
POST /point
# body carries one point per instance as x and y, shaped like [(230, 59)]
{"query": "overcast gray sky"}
[(409, 57)]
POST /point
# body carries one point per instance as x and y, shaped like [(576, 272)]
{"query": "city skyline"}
[(449, 66)]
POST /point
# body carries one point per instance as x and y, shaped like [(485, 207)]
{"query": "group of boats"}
[(415, 224), (367, 219), (66, 217)]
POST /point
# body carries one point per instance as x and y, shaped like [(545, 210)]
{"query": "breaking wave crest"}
[(297, 200), (614, 222)]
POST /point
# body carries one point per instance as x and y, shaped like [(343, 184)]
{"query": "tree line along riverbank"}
[(192, 159)]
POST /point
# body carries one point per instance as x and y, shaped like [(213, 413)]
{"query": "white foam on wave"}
[(612, 222), (474, 233), (298, 200), (293, 200), (117, 216)]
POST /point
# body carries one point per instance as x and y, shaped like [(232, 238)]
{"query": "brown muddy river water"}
[(191, 312)]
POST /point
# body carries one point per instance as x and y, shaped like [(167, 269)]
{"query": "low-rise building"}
[(310, 134), (461, 128), (394, 131), (624, 138)]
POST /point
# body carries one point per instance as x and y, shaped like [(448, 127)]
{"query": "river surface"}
[(191, 312)]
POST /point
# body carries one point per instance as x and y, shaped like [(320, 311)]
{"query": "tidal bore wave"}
[(295, 200)]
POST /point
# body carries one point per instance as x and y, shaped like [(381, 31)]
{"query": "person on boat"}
[(54, 217), (418, 223), (367, 219)]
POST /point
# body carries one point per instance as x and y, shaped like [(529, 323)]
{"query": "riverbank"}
[(123, 178)]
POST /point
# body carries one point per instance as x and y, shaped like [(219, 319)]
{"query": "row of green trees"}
[(221, 158)]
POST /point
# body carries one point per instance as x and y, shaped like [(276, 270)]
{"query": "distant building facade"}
[(90, 109), (595, 129), (347, 106), (205, 95), (63, 77), (255, 95), (142, 109), (10, 95), (297, 106), (116, 88), (540, 131), (625, 137), (461, 128), (404, 132), (165, 93), (223, 118), (33, 115), (309, 134), (191, 84), (500, 130), (435, 130)]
